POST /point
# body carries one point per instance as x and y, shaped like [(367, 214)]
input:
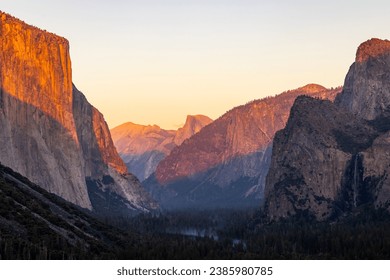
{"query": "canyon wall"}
[(332, 159), (49, 131)]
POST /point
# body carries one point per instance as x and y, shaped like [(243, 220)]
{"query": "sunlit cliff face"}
[(50, 133), (372, 49), (36, 69)]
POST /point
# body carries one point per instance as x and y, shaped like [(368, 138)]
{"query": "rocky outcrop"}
[(311, 156), (143, 147), (95, 138), (366, 90), (227, 161), (36, 100), (50, 133), (192, 125), (333, 158)]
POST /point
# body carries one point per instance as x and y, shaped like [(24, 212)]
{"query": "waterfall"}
[(355, 185)]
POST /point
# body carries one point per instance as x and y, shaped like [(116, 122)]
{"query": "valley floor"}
[(35, 224)]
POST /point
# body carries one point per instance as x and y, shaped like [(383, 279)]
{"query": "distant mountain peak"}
[(197, 117), (311, 88), (130, 128), (142, 147), (194, 123), (372, 48)]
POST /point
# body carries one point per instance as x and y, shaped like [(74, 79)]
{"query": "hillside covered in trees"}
[(35, 224)]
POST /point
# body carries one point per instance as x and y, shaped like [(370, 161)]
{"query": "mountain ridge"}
[(229, 158), (235, 113), (142, 147)]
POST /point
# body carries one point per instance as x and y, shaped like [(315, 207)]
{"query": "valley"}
[(35, 224), (303, 174)]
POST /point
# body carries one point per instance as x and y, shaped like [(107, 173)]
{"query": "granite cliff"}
[(367, 85), (332, 159), (225, 164), (143, 147), (192, 125), (50, 133)]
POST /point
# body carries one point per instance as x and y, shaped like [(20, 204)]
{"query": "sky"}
[(157, 61)]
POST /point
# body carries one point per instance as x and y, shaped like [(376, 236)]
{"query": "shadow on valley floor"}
[(35, 224), (141, 164), (227, 234), (236, 184)]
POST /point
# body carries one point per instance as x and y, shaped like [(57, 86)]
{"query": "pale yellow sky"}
[(154, 62)]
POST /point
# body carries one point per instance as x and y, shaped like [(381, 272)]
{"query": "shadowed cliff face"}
[(95, 138), (310, 157), (41, 148), (333, 158), (230, 156), (50, 133)]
